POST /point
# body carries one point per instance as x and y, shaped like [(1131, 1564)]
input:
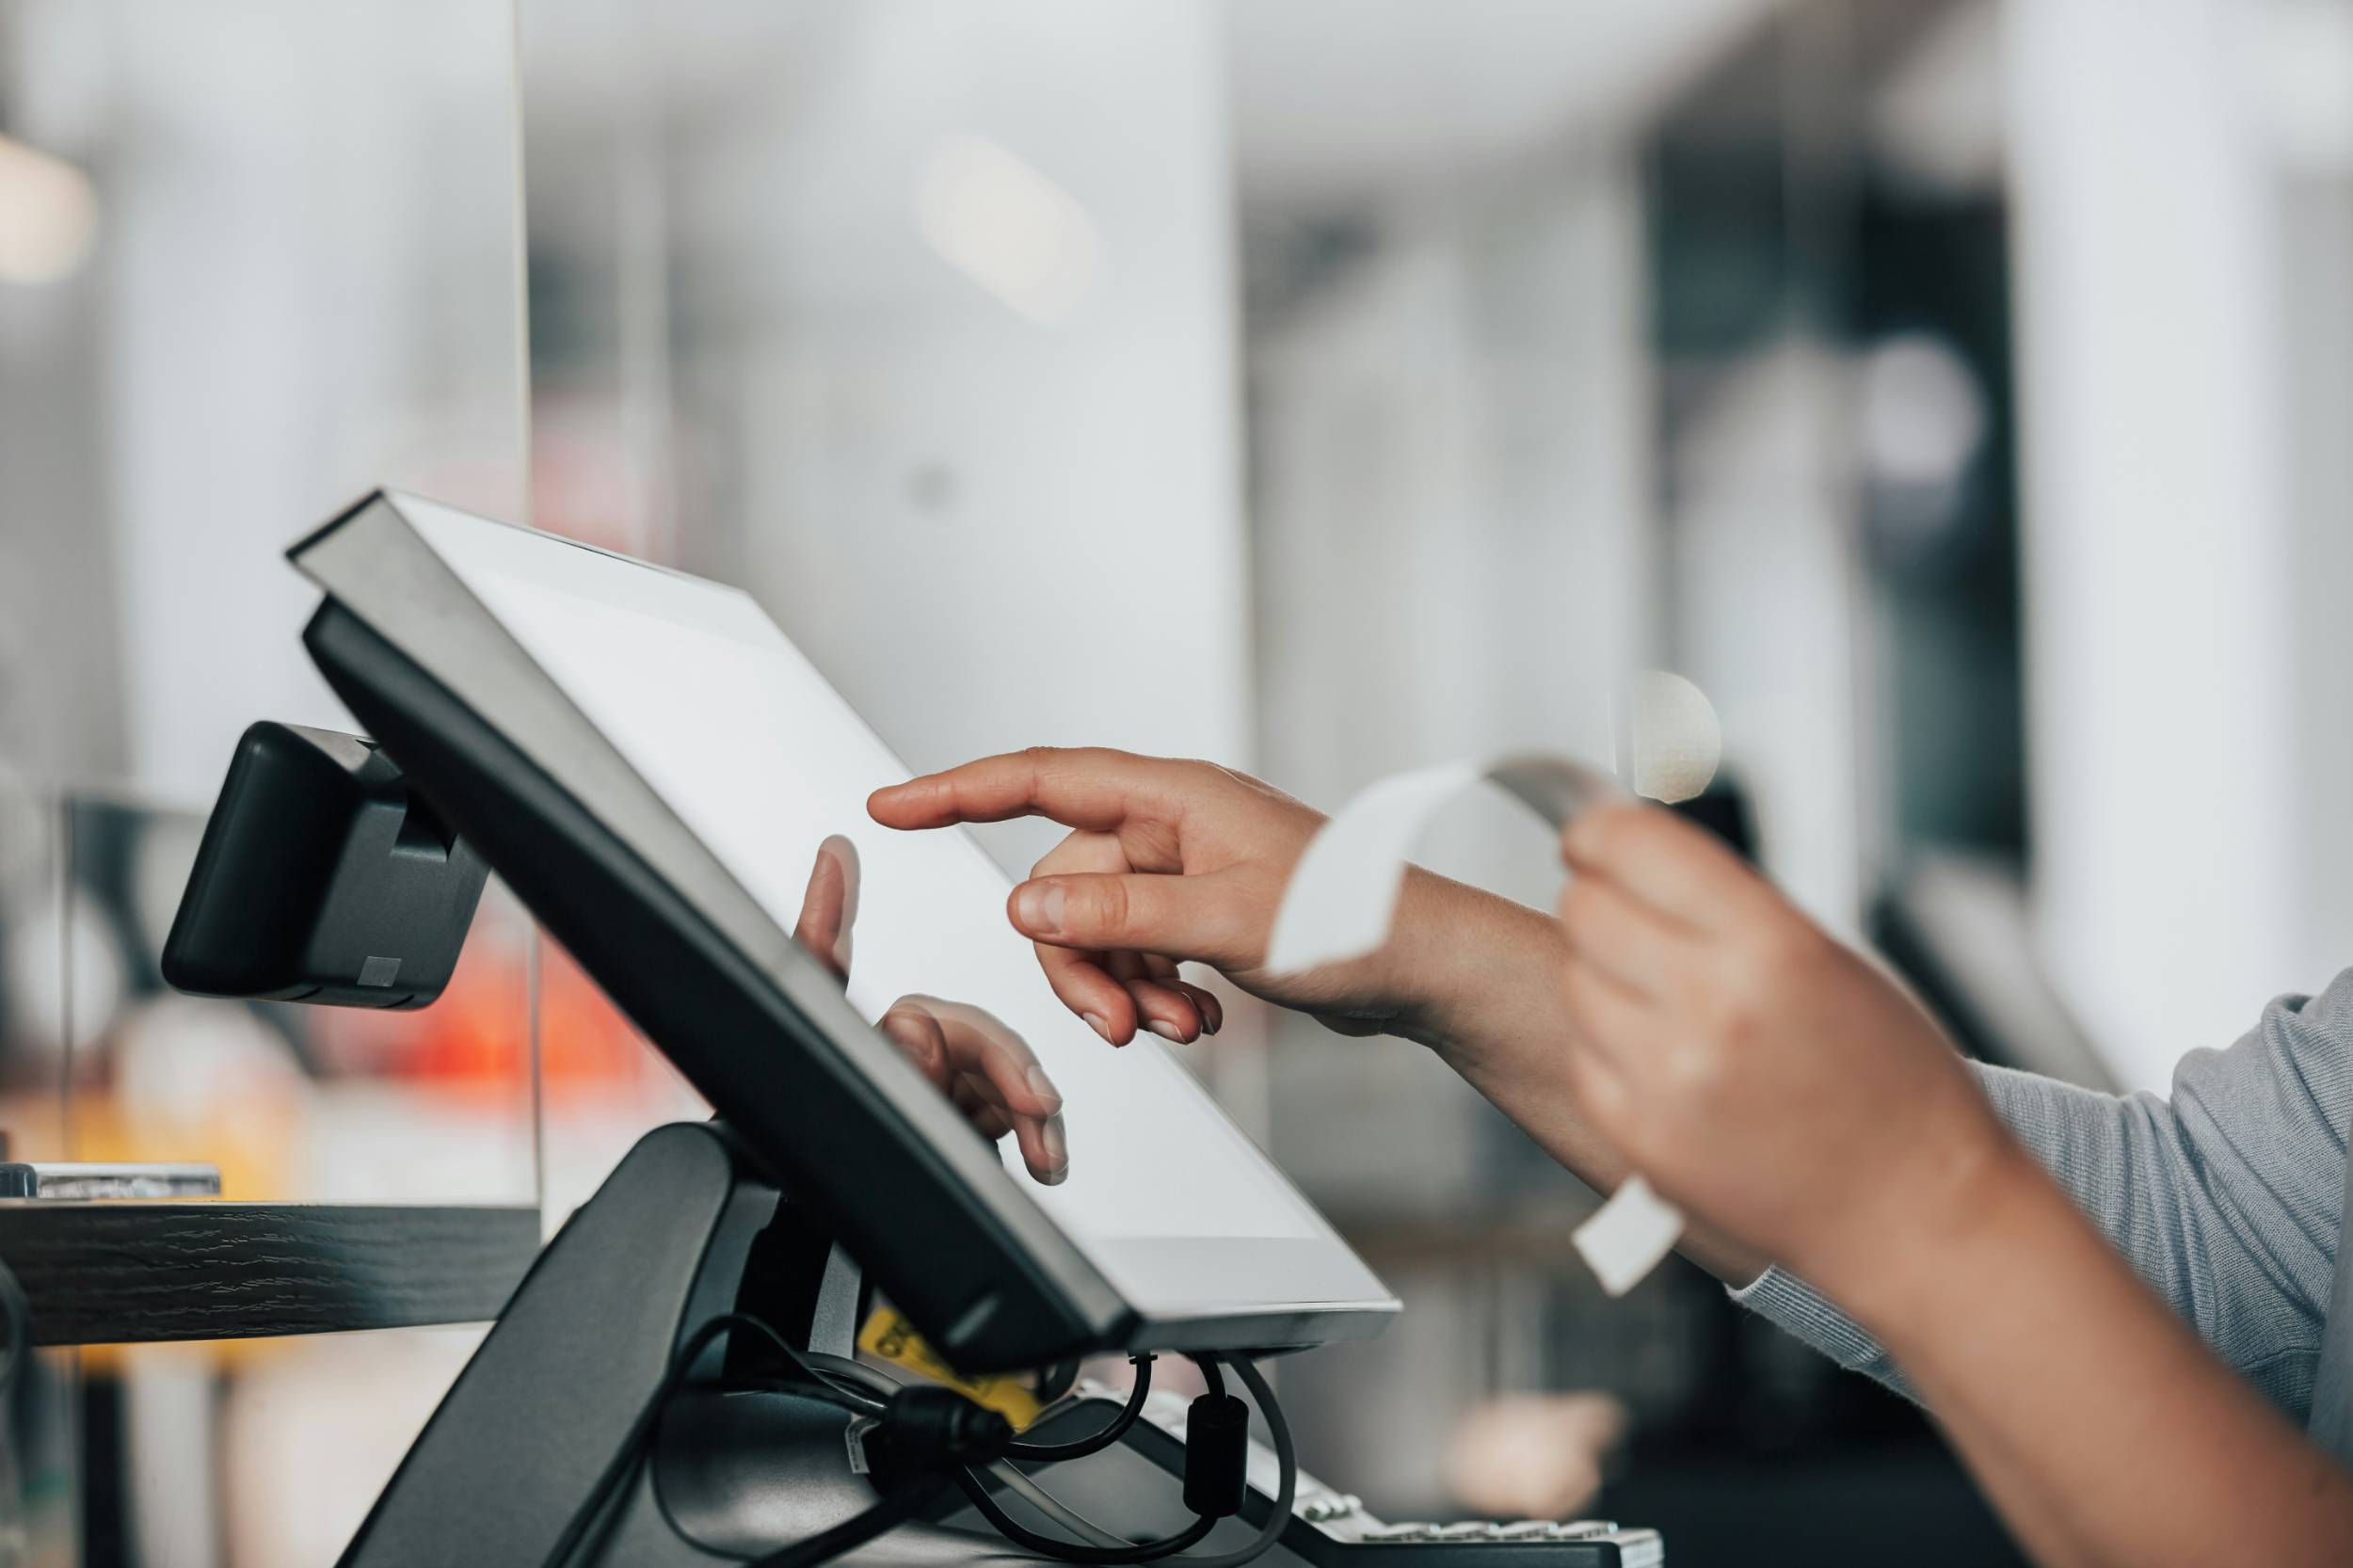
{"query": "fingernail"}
[(1057, 1153), (1098, 1023), (1040, 904), (1213, 1017), (1167, 1031), (1043, 1087)]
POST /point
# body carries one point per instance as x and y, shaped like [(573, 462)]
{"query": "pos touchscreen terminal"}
[(651, 765)]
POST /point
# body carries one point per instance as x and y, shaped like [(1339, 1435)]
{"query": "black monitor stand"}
[(688, 1229), (684, 1230)]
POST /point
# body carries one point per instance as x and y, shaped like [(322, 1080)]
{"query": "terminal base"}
[(686, 1230), (683, 1231)]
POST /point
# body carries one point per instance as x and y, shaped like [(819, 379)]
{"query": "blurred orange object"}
[(586, 1043), (1533, 1456), (477, 1037)]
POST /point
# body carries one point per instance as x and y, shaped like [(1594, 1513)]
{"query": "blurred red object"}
[(477, 1036)]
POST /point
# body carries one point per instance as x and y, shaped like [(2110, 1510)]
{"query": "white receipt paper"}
[(1342, 898)]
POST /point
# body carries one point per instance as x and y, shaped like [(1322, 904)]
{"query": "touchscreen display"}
[(705, 699)]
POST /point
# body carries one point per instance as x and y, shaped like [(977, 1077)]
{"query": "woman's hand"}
[(1763, 1075), (1783, 1090), (1172, 861), (1168, 862), (985, 1067)]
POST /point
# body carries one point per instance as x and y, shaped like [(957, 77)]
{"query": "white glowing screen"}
[(705, 699)]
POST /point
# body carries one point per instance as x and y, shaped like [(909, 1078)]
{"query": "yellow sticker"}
[(887, 1336)]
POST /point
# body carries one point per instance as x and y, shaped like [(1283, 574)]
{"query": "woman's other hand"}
[(1763, 1075), (985, 1067)]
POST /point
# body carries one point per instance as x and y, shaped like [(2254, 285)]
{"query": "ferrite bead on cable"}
[(1217, 1455)]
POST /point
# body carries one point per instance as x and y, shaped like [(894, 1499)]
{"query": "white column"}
[(308, 268), (2154, 549), (982, 410)]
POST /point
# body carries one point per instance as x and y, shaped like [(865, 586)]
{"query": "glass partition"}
[(256, 258), (280, 269)]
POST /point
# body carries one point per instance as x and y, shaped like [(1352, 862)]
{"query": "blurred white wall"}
[(1450, 505), (2176, 845), (952, 358), (1357, 101), (304, 286), (1769, 616)]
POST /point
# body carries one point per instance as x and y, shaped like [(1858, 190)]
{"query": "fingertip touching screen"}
[(745, 743)]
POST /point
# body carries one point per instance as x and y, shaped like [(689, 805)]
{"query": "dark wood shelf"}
[(119, 1273)]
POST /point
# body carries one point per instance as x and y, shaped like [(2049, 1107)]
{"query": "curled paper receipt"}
[(1342, 898)]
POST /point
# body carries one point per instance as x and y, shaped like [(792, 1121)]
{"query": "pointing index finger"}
[(1090, 788)]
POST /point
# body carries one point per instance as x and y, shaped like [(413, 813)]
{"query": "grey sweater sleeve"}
[(2226, 1198)]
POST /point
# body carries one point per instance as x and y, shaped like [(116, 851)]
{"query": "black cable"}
[(1100, 1557), (833, 1388), (1079, 1447), (633, 1446), (1278, 1514), (1050, 1384), (1270, 1531), (1068, 1551), (854, 1399), (927, 1436), (852, 1533), (844, 1372)]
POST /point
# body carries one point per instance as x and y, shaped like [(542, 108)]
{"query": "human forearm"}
[(1476, 975), (2089, 1409), (2232, 1178), (1759, 1073), (1763, 1075)]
